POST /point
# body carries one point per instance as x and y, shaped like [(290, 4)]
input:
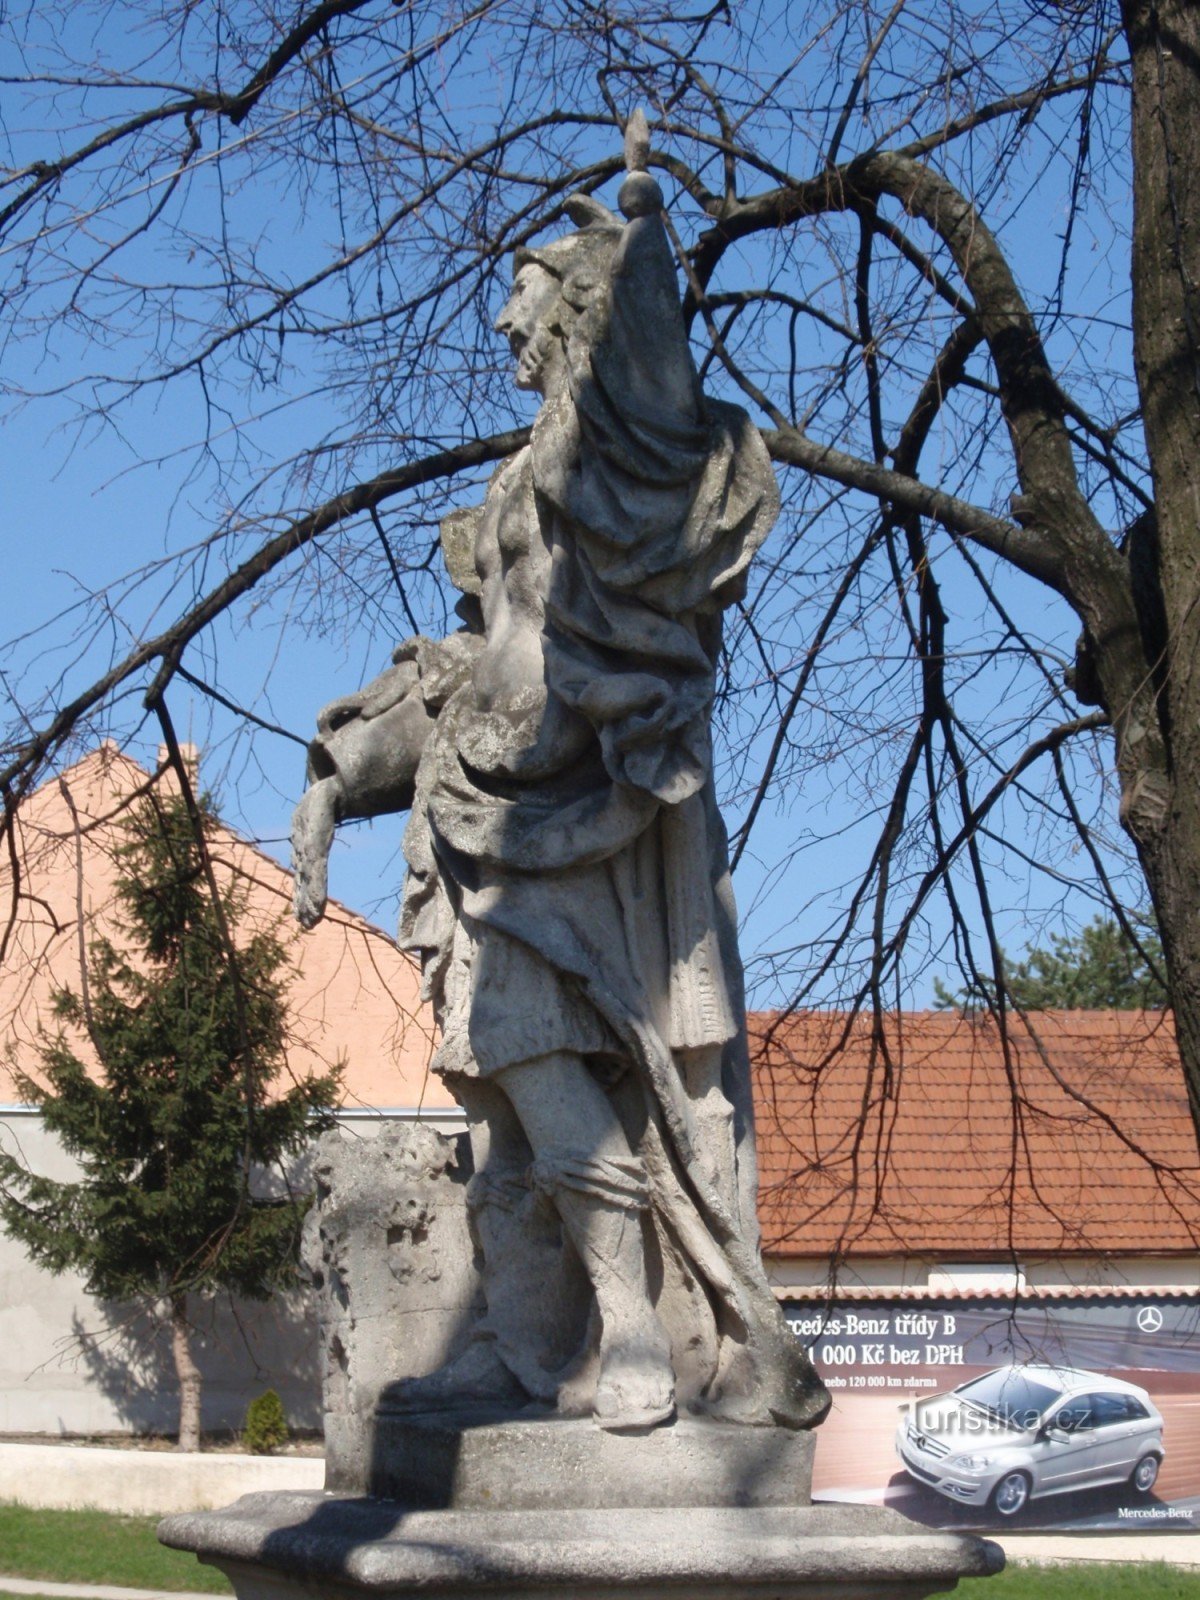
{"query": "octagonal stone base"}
[(297, 1546), (441, 1462)]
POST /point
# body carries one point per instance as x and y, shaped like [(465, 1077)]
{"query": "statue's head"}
[(553, 284)]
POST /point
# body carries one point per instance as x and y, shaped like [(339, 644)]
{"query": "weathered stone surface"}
[(544, 1462), (388, 1249), (568, 892), (293, 1545), (569, 898)]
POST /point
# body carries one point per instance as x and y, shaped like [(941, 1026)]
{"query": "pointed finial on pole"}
[(637, 142), (640, 196)]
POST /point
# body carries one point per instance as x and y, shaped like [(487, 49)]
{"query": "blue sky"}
[(83, 507)]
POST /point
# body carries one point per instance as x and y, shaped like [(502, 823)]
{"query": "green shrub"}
[(266, 1424)]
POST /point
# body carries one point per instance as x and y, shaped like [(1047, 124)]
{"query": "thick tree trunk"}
[(1164, 43), (188, 1374), (1172, 869)]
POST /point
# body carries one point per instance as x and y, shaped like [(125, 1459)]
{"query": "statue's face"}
[(528, 322)]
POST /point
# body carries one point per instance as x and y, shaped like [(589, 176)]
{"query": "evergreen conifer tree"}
[(188, 1026), (1098, 969)]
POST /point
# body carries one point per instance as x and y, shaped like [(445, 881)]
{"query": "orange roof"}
[(355, 995), (932, 1138)]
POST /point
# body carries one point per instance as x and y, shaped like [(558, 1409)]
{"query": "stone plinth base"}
[(547, 1463), (300, 1546)]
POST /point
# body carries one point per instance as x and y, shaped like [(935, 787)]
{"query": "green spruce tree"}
[(188, 1026), (1098, 969)]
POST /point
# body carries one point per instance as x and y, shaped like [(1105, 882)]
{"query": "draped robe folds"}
[(569, 884)]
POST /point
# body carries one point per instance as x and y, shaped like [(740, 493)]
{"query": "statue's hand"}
[(312, 835)]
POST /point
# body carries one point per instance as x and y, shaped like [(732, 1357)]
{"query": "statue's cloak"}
[(569, 883)]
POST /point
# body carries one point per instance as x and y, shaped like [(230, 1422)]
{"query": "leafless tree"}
[(948, 254)]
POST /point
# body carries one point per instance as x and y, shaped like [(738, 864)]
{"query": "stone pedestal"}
[(547, 1508), (389, 1254), (545, 1463), (296, 1546), (525, 1504)]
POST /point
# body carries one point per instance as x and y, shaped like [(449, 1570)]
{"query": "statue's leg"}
[(582, 1159), (701, 1071), (536, 1298)]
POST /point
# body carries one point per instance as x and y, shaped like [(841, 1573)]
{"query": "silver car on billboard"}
[(1021, 1432)]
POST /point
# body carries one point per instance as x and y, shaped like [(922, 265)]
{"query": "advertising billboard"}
[(1063, 1413)]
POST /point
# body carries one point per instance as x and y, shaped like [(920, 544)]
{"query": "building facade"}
[(68, 1364)]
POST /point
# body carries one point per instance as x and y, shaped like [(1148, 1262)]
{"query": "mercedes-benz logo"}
[(1149, 1319)]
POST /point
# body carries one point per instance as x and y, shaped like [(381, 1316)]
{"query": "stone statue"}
[(573, 1288), (568, 889)]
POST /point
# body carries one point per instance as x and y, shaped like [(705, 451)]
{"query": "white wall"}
[(810, 1275), (145, 1483)]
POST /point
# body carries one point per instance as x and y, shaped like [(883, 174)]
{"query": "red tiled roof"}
[(933, 1138)]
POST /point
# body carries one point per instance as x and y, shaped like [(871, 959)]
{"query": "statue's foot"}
[(475, 1377), (637, 1384)]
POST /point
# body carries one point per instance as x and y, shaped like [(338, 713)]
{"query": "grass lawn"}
[(96, 1547), (1086, 1580)]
